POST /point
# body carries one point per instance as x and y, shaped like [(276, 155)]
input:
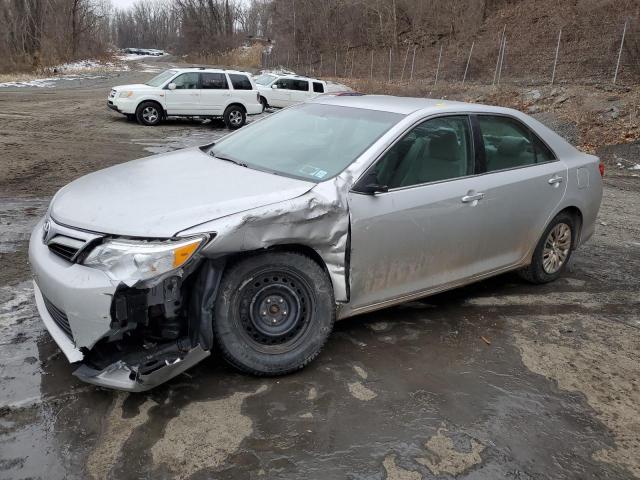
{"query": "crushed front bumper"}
[(75, 304), (122, 376)]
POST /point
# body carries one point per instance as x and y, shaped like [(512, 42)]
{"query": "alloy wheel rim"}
[(556, 248), (235, 117), (150, 114)]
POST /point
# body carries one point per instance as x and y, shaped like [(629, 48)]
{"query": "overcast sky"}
[(122, 3)]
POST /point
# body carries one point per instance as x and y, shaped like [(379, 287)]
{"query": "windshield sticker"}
[(312, 171)]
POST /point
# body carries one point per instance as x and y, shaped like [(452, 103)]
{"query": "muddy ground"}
[(500, 379)]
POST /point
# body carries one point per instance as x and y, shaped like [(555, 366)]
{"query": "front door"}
[(185, 99), (214, 93), (421, 233), (281, 93)]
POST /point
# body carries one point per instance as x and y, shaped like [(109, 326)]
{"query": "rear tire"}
[(553, 252), (264, 103), (273, 313), (234, 117), (149, 114)]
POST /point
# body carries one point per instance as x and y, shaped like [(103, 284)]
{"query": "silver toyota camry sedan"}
[(256, 244)]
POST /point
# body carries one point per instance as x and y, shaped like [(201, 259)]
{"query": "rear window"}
[(240, 82), (318, 87), (213, 81)]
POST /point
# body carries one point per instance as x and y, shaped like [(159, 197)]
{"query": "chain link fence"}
[(608, 53)]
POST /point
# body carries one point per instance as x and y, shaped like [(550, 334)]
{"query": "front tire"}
[(273, 313), (264, 103), (149, 114), (552, 254), (234, 117)]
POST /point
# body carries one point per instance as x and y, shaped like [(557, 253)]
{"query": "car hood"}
[(162, 195), (133, 87)]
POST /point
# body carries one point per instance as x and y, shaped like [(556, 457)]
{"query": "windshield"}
[(265, 79), (161, 78), (309, 141)]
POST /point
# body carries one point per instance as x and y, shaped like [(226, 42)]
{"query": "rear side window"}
[(240, 82), (318, 87), (301, 85), (214, 81), (509, 144)]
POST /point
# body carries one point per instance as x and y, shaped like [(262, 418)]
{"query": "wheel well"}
[(294, 248), (236, 105), (150, 101), (577, 215), (264, 99)]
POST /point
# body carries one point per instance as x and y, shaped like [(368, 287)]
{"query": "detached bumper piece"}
[(144, 370)]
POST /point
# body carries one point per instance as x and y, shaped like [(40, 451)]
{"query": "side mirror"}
[(369, 184), (372, 188), (274, 86), (171, 86)]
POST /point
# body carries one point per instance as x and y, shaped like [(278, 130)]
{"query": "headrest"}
[(444, 145), (512, 146)]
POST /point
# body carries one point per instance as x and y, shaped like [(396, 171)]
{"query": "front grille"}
[(66, 247), (63, 251), (58, 316)]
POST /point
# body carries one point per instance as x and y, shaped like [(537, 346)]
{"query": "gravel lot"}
[(500, 379)]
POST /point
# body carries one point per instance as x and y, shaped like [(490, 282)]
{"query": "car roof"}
[(406, 105), (207, 70)]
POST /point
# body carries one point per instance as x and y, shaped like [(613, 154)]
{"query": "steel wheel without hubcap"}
[(556, 248), (150, 114), (274, 310), (235, 118)]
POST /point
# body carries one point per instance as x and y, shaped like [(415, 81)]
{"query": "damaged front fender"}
[(318, 220)]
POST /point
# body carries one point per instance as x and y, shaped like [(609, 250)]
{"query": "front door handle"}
[(472, 197), (556, 179)]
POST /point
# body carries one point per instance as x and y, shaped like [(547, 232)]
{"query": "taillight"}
[(601, 168)]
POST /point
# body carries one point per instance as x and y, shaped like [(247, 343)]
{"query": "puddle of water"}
[(20, 328)]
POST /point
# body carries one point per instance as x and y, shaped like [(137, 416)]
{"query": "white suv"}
[(285, 90), (192, 92)]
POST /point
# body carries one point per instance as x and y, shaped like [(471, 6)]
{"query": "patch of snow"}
[(635, 167)]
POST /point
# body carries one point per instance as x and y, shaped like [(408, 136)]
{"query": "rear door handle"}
[(472, 197), (555, 180)]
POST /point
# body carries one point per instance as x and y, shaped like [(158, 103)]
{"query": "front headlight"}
[(126, 94), (131, 261)]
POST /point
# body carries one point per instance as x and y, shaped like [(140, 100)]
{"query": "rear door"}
[(185, 99), (242, 88), (301, 91), (522, 185), (215, 92)]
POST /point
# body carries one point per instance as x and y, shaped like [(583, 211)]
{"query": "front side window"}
[(436, 150), (509, 144), (214, 81), (285, 83), (240, 82), (309, 141), (186, 81), (318, 87)]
